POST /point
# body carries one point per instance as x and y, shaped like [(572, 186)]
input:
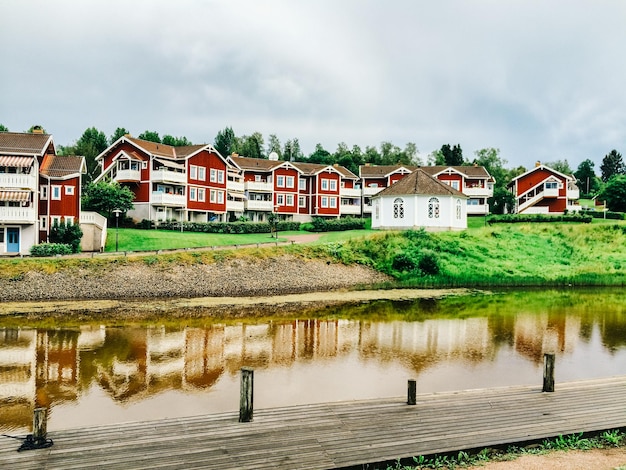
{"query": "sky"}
[(539, 80)]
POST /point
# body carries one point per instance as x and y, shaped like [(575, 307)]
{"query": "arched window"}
[(458, 209), (433, 208), (398, 208)]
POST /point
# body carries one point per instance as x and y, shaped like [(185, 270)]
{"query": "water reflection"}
[(103, 374)]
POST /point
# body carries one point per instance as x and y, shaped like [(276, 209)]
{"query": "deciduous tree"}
[(586, 178), (614, 193), (104, 198), (151, 136), (3, 128), (119, 132), (224, 142), (91, 144), (562, 166), (250, 146), (175, 141), (273, 145)]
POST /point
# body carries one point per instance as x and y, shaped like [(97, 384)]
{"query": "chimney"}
[(336, 165), (537, 164), (37, 130)]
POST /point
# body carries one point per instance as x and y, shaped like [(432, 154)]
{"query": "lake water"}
[(103, 374)]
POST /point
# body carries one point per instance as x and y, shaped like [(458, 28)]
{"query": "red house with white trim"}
[(543, 190)]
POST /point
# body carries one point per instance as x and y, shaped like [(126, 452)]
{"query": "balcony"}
[(350, 192), (128, 175), (551, 192), (259, 186), (235, 205), (235, 186), (168, 176), (350, 209), (259, 205), (573, 193), (23, 215), (18, 181), (477, 191), (370, 191), (168, 199)]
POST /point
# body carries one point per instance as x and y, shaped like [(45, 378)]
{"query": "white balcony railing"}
[(18, 181), (477, 209), (235, 186), (478, 192), (350, 209), (350, 192), (168, 199), (573, 194), (26, 215), (235, 205), (259, 186), (128, 175), (371, 191), (259, 205), (550, 192), (168, 176)]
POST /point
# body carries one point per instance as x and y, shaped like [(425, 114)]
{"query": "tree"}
[(292, 152), (36, 127), (225, 141), (452, 156), (273, 145), (562, 166), (250, 146), (502, 201), (321, 155), (91, 144), (66, 233), (175, 141), (490, 159), (119, 132), (3, 128), (586, 178), (614, 193), (151, 136), (612, 164), (104, 198)]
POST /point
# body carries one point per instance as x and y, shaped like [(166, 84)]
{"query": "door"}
[(13, 240)]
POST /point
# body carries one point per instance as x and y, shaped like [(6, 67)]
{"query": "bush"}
[(66, 234), (536, 218), (609, 215), (403, 262), (229, 227), (429, 263), (321, 224), (50, 249)]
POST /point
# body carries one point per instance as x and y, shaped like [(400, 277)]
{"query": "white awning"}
[(21, 162), (236, 195), (170, 164), (15, 196)]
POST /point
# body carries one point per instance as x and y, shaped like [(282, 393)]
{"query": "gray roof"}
[(23, 143), (421, 183)]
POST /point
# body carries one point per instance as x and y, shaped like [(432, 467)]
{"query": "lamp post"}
[(117, 213), (276, 220)]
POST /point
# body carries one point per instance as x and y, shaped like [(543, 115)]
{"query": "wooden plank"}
[(334, 435)]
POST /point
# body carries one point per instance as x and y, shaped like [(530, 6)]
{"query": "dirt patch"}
[(595, 459)]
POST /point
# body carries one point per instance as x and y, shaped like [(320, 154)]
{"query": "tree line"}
[(610, 185)]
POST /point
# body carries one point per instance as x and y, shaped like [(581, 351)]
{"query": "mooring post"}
[(548, 372), (40, 425), (246, 395), (412, 392)]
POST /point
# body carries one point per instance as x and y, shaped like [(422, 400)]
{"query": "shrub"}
[(50, 249), (67, 234), (321, 224), (403, 262), (429, 263), (535, 218)]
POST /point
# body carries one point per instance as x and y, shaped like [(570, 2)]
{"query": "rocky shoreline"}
[(231, 278)]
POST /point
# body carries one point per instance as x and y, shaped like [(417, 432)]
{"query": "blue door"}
[(13, 240)]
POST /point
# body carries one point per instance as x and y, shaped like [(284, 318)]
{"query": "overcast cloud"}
[(540, 80)]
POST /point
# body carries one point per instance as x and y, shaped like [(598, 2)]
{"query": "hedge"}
[(50, 249), (534, 218), (321, 224), (225, 227)]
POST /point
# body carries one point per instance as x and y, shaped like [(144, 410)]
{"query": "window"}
[(56, 193), (398, 208), (220, 176), (43, 190), (301, 201), (324, 185), (69, 220), (213, 195), (220, 197), (192, 194), (280, 181), (552, 185), (289, 199), (433, 208), (201, 194), (458, 210), (257, 178), (201, 173), (290, 181), (455, 184), (280, 199), (193, 172), (332, 202), (144, 165), (55, 220), (43, 224), (213, 175), (302, 184), (324, 201), (473, 202), (69, 190), (333, 185)]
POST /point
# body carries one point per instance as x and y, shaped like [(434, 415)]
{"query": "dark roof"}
[(421, 183), (23, 143), (470, 170), (259, 164), (165, 151), (378, 171), (60, 166)]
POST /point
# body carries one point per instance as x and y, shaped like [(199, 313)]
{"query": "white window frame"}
[(220, 197), (43, 222), (290, 181), (55, 218), (398, 208), (56, 193), (213, 196), (324, 184), (43, 192), (144, 165), (201, 194), (69, 190), (280, 181), (302, 184), (433, 208), (192, 193), (458, 209), (69, 219), (333, 185), (280, 199), (324, 203), (220, 176), (289, 200), (193, 172), (454, 184), (201, 173), (332, 202), (301, 201)]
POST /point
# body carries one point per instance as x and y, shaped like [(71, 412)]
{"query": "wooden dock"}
[(335, 435)]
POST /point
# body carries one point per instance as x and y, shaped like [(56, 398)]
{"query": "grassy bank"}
[(499, 255)]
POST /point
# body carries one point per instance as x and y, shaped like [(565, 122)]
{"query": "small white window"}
[(201, 173), (398, 208), (201, 194), (257, 178), (69, 190), (458, 209), (213, 195), (280, 181), (69, 220), (455, 184), (333, 185), (43, 223), (301, 201), (333, 202), (302, 184), (324, 201), (220, 176), (433, 208), (56, 193), (220, 197), (290, 182), (144, 165), (193, 172), (290, 199), (43, 190), (324, 184), (280, 199), (192, 194), (55, 219), (213, 175)]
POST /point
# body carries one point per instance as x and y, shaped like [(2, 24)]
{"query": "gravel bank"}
[(232, 278)]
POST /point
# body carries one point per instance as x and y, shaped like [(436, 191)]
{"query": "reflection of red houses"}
[(543, 190)]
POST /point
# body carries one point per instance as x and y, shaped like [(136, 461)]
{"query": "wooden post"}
[(412, 392), (548, 372), (246, 395), (40, 426)]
